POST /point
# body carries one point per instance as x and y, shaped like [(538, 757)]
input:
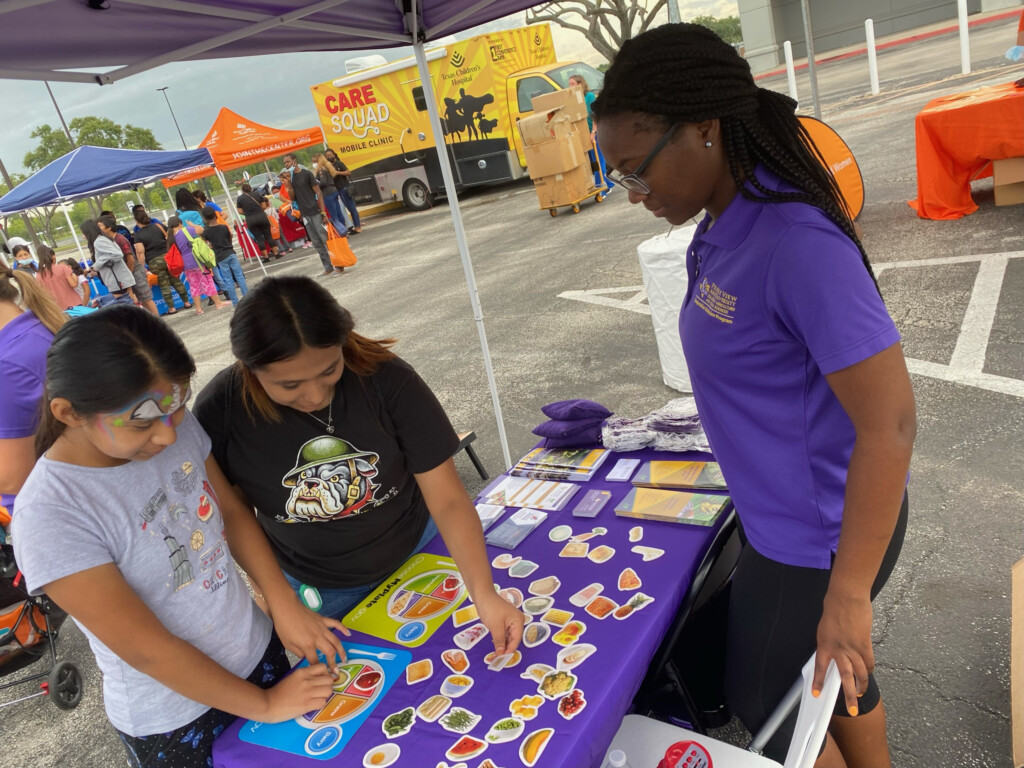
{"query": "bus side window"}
[(529, 87), (417, 97)]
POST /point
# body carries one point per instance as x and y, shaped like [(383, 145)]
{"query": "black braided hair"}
[(686, 73)]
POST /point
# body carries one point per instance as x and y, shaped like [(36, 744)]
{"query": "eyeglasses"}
[(632, 181)]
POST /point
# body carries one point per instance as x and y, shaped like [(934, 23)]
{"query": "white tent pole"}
[(237, 219), (460, 238), (74, 234)]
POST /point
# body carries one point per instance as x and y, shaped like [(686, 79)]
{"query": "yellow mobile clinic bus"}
[(376, 118)]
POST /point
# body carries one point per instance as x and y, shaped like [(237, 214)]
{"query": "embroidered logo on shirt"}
[(716, 302), (331, 480)]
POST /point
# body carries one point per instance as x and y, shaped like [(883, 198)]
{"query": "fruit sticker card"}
[(412, 602), (362, 681)]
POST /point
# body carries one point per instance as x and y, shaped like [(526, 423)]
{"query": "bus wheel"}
[(416, 196)]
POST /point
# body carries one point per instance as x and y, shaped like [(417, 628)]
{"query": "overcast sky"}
[(273, 90)]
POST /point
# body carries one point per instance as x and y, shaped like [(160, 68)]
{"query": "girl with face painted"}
[(796, 367), (127, 523)]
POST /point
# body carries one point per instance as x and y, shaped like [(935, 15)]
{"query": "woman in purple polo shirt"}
[(29, 317), (796, 367)]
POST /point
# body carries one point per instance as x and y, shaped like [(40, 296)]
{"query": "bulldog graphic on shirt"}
[(331, 479)]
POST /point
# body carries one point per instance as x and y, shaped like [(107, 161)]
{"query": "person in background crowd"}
[(13, 242), (200, 278), (108, 261), (325, 178), (578, 81), (303, 189), (120, 228), (796, 366), (341, 181), (143, 293), (58, 280), (151, 243), (288, 219), (29, 318), (219, 238), (190, 211), (251, 205), (82, 287), (205, 203), (138, 226), (22, 257)]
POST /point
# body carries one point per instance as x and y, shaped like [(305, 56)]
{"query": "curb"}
[(892, 43)]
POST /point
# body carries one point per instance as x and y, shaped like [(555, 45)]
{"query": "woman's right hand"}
[(304, 690)]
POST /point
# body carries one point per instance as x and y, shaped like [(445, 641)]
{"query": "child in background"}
[(200, 279), (128, 524), (219, 238), (82, 289)]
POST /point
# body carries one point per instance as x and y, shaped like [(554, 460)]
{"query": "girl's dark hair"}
[(281, 316), (75, 266), (46, 260), (685, 73), (186, 201), (199, 195), (108, 221), (246, 188), (140, 215), (105, 359), (209, 214), (22, 289), (91, 232), (172, 222)]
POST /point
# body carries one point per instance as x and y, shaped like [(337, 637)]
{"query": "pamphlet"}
[(510, 533), (489, 514), (556, 464), (529, 492), (672, 506), (593, 501), (623, 470), (699, 475)]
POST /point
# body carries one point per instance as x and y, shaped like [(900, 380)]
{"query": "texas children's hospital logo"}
[(331, 479)]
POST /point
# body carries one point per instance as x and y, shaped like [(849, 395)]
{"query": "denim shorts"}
[(338, 602)]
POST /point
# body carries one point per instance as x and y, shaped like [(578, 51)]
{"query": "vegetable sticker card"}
[(362, 682), (412, 602)]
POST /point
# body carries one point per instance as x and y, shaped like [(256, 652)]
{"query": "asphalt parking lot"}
[(942, 625)]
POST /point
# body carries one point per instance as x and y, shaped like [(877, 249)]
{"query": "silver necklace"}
[(329, 424)]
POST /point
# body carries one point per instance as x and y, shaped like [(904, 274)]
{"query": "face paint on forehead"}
[(157, 405)]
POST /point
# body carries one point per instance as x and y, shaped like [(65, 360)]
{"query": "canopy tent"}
[(235, 141), (151, 33), (87, 171)]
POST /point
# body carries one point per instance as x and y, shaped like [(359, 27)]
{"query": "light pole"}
[(164, 92)]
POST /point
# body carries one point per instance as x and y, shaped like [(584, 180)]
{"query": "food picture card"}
[(412, 603), (672, 506), (511, 533), (546, 495), (699, 475), (363, 679)]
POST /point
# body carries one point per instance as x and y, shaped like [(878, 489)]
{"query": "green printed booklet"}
[(557, 464), (412, 603), (672, 506), (700, 475)]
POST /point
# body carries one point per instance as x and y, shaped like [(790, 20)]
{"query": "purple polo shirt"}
[(779, 297), (23, 345)]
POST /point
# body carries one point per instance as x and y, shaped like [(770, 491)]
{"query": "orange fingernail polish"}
[(815, 693), (853, 711)]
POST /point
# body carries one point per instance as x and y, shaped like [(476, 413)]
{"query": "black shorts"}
[(774, 610), (191, 746)]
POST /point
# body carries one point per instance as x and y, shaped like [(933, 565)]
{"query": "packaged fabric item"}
[(569, 428), (575, 409), (673, 427)]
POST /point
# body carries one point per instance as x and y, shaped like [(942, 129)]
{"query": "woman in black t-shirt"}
[(251, 206), (343, 450)]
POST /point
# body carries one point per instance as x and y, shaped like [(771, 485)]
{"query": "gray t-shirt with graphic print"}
[(159, 522)]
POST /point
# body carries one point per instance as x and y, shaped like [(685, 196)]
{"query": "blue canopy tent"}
[(95, 170)]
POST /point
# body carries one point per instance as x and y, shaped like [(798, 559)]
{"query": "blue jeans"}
[(230, 272), (337, 216), (604, 166), (338, 602), (350, 204)]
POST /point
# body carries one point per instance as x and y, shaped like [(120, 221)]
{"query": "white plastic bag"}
[(663, 264)]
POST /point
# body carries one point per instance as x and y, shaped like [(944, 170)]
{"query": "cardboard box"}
[(556, 156), (581, 127), (544, 126), (1008, 178), (569, 99), (564, 188), (1017, 662)]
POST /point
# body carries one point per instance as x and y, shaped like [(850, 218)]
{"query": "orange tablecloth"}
[(958, 137)]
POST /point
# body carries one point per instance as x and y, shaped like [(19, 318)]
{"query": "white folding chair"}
[(645, 740)]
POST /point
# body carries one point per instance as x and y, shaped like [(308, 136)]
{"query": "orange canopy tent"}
[(235, 141)]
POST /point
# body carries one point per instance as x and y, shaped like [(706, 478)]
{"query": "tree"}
[(727, 28), (607, 24)]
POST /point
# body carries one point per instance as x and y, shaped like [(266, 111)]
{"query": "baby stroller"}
[(28, 630)]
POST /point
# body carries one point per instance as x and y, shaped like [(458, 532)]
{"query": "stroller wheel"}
[(65, 683)]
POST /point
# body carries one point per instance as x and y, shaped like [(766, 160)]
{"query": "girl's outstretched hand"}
[(304, 690), (306, 633), (503, 621)]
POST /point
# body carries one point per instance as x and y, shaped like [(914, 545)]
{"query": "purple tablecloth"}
[(609, 677)]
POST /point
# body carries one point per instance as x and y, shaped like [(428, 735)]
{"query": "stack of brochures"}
[(547, 495), (556, 464), (672, 506), (698, 475)]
